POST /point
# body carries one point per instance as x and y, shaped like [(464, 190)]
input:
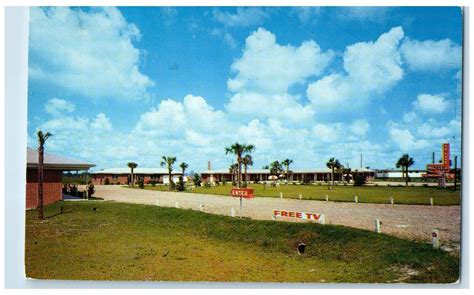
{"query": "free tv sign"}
[(307, 216)]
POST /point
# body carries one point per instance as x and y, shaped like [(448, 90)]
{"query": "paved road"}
[(406, 221)]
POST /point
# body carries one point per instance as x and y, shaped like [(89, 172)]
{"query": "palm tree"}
[(168, 162), (183, 166), (238, 150), (42, 137), (333, 164), (276, 168), (132, 165), (247, 161), (405, 162), (233, 169), (287, 164)]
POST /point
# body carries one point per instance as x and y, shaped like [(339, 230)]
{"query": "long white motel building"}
[(121, 175), (309, 175)]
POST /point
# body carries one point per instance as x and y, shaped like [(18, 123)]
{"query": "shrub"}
[(196, 180), (90, 190), (141, 183), (207, 184), (359, 180), (180, 185), (106, 181), (153, 183)]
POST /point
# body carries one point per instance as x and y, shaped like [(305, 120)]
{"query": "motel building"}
[(122, 175), (295, 175), (54, 166)]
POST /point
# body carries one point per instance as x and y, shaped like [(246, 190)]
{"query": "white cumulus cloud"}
[(430, 55), (371, 69), (431, 104), (271, 68), (88, 52)]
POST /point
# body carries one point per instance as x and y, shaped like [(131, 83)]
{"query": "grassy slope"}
[(140, 242), (366, 194)]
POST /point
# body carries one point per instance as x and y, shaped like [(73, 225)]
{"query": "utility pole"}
[(360, 160), (433, 161)]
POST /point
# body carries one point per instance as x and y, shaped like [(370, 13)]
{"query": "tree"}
[(238, 150), (287, 164), (275, 168), (405, 162), (333, 164), (132, 165), (233, 169), (247, 161), (42, 137), (168, 162), (183, 166)]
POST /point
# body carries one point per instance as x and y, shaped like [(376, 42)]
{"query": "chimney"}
[(208, 165)]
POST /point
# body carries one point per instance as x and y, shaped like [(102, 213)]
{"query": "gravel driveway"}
[(406, 221)]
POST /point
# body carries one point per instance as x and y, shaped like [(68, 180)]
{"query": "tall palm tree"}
[(287, 164), (239, 149), (183, 166), (132, 165), (333, 164), (247, 161), (405, 162), (42, 137), (168, 162)]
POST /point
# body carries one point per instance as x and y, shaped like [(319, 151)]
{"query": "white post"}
[(391, 200), (327, 198), (431, 201), (322, 219), (301, 196), (274, 218), (201, 207), (232, 212), (176, 204), (281, 195), (157, 202), (378, 223), (435, 238), (356, 199)]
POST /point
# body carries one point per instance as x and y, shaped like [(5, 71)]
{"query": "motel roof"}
[(267, 171), (52, 161), (138, 170)]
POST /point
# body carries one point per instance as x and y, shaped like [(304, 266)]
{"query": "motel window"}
[(114, 176)]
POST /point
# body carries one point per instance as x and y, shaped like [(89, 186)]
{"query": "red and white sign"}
[(299, 215), (246, 193)]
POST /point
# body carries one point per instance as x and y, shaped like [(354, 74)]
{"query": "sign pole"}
[(240, 206)]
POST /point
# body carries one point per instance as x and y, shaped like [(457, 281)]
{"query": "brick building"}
[(54, 166), (295, 175), (122, 175)]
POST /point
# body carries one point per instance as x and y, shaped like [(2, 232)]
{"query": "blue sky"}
[(307, 83)]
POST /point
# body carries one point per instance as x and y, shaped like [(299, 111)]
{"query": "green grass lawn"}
[(366, 194), (140, 242)]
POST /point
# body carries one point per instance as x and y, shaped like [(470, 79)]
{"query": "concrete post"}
[(201, 207), (356, 199), (157, 202), (176, 204), (327, 198), (378, 224), (435, 238), (322, 219), (301, 196), (281, 195), (391, 200), (232, 212), (431, 201)]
